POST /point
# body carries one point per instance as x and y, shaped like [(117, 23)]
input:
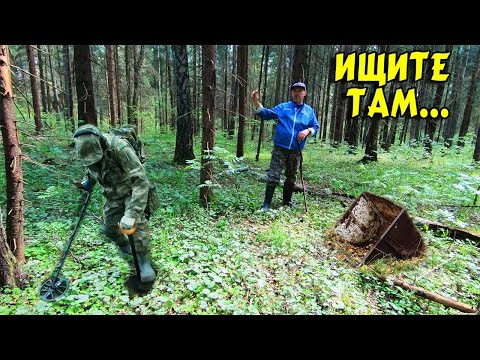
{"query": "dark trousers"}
[(283, 159)]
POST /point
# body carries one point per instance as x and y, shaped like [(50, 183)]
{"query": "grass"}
[(233, 259)]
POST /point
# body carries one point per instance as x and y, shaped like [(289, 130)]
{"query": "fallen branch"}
[(454, 233), (430, 295)]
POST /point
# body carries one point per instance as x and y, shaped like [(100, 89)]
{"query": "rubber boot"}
[(268, 197), (146, 271), (287, 194)]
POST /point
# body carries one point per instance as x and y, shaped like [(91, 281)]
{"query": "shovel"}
[(134, 282)]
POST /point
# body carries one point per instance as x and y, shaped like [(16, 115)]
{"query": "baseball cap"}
[(299, 84)]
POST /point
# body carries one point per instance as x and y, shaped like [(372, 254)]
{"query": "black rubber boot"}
[(146, 271), (287, 194), (268, 197)]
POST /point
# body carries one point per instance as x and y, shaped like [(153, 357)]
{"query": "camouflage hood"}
[(88, 145)]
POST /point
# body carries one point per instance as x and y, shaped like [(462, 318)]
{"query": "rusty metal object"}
[(381, 227)]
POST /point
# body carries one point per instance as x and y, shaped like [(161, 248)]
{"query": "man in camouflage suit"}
[(116, 167), (296, 121)]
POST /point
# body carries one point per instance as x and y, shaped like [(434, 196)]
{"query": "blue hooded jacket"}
[(292, 119)]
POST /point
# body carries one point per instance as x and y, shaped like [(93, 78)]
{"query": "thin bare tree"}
[(137, 61), (209, 54), (242, 98), (34, 85), (42, 84), (13, 160), (68, 82), (112, 86), (467, 114)]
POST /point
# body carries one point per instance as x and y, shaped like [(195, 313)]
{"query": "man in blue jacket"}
[(296, 121)]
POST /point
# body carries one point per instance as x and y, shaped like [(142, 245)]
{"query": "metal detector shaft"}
[(70, 240)]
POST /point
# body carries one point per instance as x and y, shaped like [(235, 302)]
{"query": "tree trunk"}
[(54, 84), (35, 93), (372, 134), (476, 151), (242, 77), (259, 87), (278, 80), (82, 59), (451, 123), (13, 160), (10, 271), (430, 125), (225, 86), (196, 124), (117, 75), (278, 83), (184, 135), (265, 77), (299, 69), (287, 65), (99, 100), (112, 86), (467, 114), (42, 84), (262, 123), (128, 55), (324, 123), (371, 140), (158, 66), (314, 62), (47, 86), (62, 94), (340, 105), (391, 92), (68, 82), (138, 61), (208, 122), (165, 94), (234, 90), (170, 87), (334, 113)]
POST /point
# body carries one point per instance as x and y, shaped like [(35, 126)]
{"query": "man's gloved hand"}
[(127, 223), (83, 185)]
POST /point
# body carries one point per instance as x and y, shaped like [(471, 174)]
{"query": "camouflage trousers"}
[(283, 158), (112, 213)]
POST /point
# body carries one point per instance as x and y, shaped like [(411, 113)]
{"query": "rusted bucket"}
[(381, 227)]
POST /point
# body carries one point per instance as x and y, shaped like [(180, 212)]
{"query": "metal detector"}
[(56, 286)]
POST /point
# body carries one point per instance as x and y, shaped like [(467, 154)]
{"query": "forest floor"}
[(232, 258)]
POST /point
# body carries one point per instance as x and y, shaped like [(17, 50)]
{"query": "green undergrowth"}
[(233, 259)]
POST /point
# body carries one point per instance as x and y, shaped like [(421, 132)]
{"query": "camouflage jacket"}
[(121, 175)]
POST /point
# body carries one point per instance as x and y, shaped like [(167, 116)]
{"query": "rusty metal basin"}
[(381, 227)]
